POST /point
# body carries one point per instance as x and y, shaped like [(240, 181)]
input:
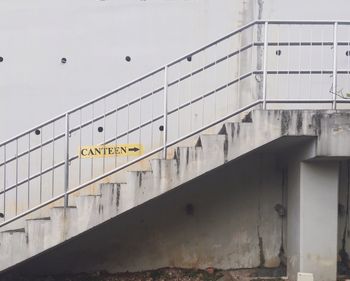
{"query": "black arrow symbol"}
[(134, 149)]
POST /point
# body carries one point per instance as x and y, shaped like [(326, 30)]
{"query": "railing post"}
[(335, 67), (165, 119), (265, 63), (66, 161)]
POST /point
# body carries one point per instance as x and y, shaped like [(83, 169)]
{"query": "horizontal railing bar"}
[(343, 100), (299, 72), (300, 101), (304, 72), (296, 43), (297, 22), (302, 43)]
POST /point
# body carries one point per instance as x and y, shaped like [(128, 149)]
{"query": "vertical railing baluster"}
[(140, 111), (165, 106), (265, 64), (104, 135), (4, 182), (16, 173), (335, 45), (116, 127), (80, 137), (28, 190), (41, 167), (92, 138), (66, 161), (53, 161)]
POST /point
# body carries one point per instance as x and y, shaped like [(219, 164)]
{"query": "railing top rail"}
[(198, 50), (302, 22)]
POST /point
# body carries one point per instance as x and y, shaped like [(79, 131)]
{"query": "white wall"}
[(94, 36)]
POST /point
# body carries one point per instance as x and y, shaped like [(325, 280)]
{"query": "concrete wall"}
[(95, 37)]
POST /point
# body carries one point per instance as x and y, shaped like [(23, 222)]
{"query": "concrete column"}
[(312, 220)]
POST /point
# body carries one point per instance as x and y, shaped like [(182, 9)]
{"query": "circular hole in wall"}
[(278, 52), (100, 129), (63, 60), (37, 132), (1, 59), (189, 58), (347, 53), (161, 128), (128, 59)]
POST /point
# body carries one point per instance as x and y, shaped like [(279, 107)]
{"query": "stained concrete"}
[(219, 203), (225, 219)]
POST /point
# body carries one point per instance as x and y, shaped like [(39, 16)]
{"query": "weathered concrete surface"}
[(312, 220), (225, 219), (232, 218)]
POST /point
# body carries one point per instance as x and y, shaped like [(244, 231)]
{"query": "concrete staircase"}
[(257, 129)]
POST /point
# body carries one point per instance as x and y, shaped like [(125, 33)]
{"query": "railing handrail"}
[(197, 50), (259, 100)]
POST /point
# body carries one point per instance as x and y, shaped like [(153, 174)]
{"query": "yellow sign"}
[(115, 150)]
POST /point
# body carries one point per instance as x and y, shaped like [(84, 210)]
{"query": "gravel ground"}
[(165, 274)]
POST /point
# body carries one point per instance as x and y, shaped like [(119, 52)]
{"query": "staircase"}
[(187, 130), (234, 140)]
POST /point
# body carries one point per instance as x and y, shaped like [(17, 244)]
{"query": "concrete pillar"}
[(312, 220)]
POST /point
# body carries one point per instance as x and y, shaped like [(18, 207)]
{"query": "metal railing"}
[(259, 64)]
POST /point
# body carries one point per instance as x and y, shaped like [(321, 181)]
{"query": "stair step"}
[(188, 159), (114, 199), (62, 207), (10, 231), (140, 187), (88, 209), (13, 244), (215, 149), (38, 235), (233, 129), (39, 219), (63, 222)]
